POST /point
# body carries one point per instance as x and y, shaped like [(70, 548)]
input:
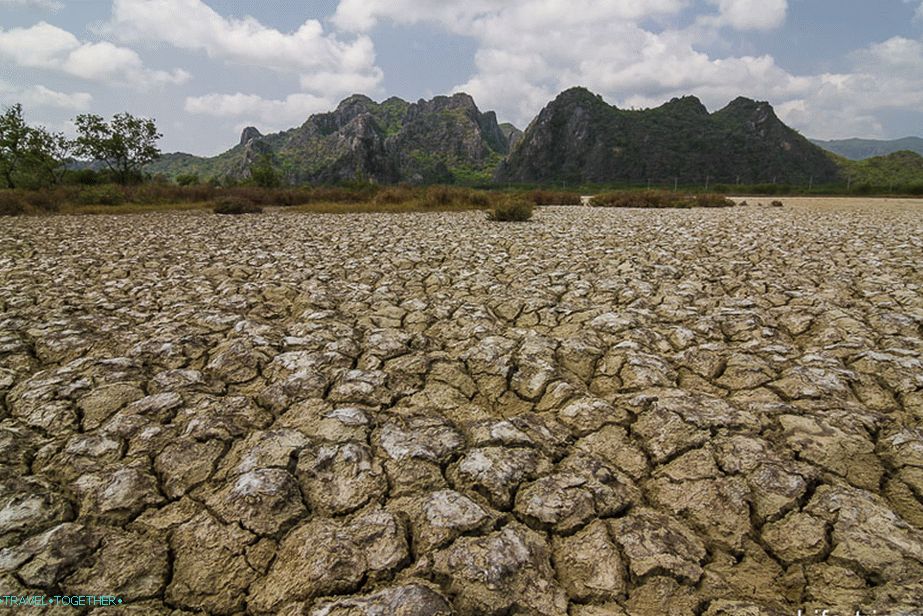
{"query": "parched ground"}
[(599, 412)]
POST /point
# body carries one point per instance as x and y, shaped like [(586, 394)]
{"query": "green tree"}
[(125, 144), (30, 156), (187, 179), (264, 174), (14, 145), (48, 153)]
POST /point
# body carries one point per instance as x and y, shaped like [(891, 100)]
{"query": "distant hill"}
[(899, 169), (580, 138), (445, 139), (860, 149)]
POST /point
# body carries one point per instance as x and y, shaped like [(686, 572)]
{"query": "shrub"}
[(107, 194), (394, 196), (512, 210), (439, 196), (187, 179), (659, 199), (478, 198), (87, 177), (42, 200), (11, 204), (712, 200), (235, 206), (643, 199), (551, 197), (915, 189)]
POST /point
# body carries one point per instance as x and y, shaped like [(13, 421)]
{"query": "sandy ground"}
[(598, 412)]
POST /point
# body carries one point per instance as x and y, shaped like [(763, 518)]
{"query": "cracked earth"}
[(601, 412)]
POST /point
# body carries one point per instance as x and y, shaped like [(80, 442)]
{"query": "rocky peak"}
[(249, 134), (690, 105)]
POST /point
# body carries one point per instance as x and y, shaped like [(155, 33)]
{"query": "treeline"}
[(33, 157)]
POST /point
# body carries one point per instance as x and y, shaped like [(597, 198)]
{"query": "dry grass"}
[(379, 208), (132, 208)]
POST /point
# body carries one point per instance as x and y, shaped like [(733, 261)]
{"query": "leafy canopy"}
[(30, 156), (125, 144)]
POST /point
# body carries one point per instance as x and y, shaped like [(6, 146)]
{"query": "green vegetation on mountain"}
[(443, 140), (860, 149), (900, 169), (579, 138)]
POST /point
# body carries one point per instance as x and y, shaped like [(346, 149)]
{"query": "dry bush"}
[(712, 200), (236, 206), (11, 203), (44, 200), (554, 197), (395, 195), (644, 199), (659, 199), (514, 209)]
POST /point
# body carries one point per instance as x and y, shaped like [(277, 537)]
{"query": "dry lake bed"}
[(600, 412)]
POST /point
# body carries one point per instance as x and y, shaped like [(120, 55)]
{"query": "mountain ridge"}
[(862, 149), (443, 139), (580, 138)]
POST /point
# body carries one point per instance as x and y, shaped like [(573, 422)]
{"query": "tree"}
[(14, 144), (30, 156), (125, 144), (47, 153), (264, 174)]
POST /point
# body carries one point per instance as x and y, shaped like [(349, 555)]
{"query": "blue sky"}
[(205, 69)]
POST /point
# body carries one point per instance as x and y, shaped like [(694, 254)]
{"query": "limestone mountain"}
[(579, 137), (441, 140)]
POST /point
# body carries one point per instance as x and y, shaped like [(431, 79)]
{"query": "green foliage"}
[(263, 174), (14, 144), (235, 206), (187, 179), (106, 194), (899, 169), (86, 177), (512, 209), (125, 144), (580, 139), (30, 157)]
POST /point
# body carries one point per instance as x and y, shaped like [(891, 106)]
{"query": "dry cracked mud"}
[(598, 412)]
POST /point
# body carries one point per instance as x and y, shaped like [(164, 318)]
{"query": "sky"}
[(205, 69)]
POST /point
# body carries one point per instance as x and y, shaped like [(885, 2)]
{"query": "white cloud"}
[(40, 96), (530, 50), (469, 16), (324, 64), (44, 5), (269, 114), (751, 14), (918, 15), (44, 46)]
